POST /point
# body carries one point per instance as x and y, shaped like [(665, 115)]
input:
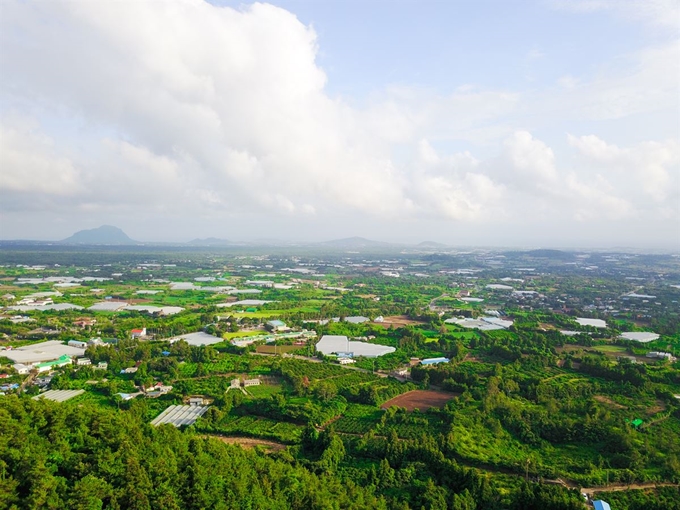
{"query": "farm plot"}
[(398, 321), (420, 399), (249, 442), (255, 426), (277, 349), (358, 419)]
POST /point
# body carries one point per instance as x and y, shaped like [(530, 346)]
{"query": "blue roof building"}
[(434, 361), (601, 505)]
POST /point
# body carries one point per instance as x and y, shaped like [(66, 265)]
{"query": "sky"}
[(525, 123)]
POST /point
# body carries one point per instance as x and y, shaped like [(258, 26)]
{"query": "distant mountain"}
[(351, 243), (210, 241), (550, 254), (106, 234), (431, 245)]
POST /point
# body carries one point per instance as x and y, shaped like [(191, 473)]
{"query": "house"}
[(50, 365), (102, 365), (130, 370), (160, 388), (83, 361), (196, 401), (43, 381), (138, 333), (276, 325), (598, 504), (661, 355), (18, 319), (78, 344), (96, 341), (346, 361), (84, 322), (21, 369), (251, 382)]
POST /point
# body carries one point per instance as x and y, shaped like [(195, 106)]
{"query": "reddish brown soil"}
[(397, 321), (271, 349), (420, 399)]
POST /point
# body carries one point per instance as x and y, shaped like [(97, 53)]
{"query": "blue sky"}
[(364, 46), (470, 122)]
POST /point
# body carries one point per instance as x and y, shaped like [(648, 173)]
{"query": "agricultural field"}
[(420, 399), (528, 393)]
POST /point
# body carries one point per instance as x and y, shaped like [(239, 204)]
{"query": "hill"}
[(431, 245), (106, 234), (354, 243)]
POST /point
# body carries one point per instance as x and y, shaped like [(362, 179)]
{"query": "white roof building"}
[(21, 369), (640, 336), (332, 344), (596, 323), (43, 351), (199, 338)]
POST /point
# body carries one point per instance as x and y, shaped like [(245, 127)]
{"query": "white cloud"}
[(652, 167), (531, 158), (643, 81), (658, 13), (30, 162), (188, 110)]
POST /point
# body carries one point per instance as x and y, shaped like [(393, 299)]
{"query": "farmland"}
[(419, 399), (540, 397)]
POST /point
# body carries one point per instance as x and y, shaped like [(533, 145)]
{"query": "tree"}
[(89, 493)]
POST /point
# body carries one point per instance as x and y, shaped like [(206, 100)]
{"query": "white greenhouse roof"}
[(199, 338), (59, 395), (640, 336), (43, 351), (180, 415), (43, 308), (245, 302), (108, 306), (332, 344), (596, 323)]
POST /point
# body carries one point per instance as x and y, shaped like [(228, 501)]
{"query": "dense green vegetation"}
[(533, 416)]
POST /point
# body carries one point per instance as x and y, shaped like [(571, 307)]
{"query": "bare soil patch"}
[(420, 399), (659, 407), (398, 321), (250, 442), (276, 349), (608, 401)]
